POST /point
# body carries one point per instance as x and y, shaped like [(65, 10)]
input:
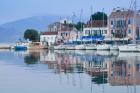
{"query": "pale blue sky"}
[(11, 10)]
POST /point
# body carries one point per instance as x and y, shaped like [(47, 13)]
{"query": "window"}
[(137, 67), (61, 34), (95, 33), (129, 66), (99, 32), (105, 31), (48, 38), (102, 31), (86, 32), (129, 31), (66, 34), (129, 21), (111, 22), (111, 31), (44, 38)]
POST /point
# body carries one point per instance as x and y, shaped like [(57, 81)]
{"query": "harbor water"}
[(69, 71)]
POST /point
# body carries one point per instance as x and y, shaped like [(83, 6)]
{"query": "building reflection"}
[(114, 68), (124, 72)]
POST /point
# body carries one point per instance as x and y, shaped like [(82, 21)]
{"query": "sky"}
[(11, 10)]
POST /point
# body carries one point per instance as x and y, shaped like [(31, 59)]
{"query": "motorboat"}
[(20, 46)]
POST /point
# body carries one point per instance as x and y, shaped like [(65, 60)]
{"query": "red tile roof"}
[(49, 33), (120, 13), (96, 23)]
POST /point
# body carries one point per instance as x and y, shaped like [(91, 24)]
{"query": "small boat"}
[(20, 47), (80, 47), (91, 47), (129, 48), (103, 47)]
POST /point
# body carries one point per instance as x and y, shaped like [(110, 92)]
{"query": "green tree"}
[(79, 25), (99, 16), (32, 35)]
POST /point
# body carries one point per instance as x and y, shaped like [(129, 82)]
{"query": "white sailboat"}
[(70, 47), (103, 47), (91, 47), (113, 47), (59, 47), (129, 48), (80, 47)]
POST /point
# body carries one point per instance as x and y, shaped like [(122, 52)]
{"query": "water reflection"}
[(117, 69), (32, 58), (106, 68)]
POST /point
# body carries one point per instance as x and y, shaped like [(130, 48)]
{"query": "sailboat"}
[(103, 46), (91, 46)]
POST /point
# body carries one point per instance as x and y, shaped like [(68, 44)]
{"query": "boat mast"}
[(103, 23), (135, 27), (91, 20), (81, 27), (135, 21)]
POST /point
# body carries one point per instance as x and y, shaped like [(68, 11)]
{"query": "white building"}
[(48, 38), (96, 31), (96, 28)]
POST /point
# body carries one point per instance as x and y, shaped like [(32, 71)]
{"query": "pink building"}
[(59, 33), (67, 33), (121, 24)]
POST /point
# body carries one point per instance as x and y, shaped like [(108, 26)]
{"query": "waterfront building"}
[(96, 28), (66, 34), (121, 23), (48, 38), (59, 33), (54, 27)]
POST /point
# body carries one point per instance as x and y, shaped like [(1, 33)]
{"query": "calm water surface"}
[(69, 72)]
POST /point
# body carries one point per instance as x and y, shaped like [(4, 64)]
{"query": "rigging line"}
[(131, 7)]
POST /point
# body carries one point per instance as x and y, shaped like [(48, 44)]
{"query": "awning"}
[(92, 38)]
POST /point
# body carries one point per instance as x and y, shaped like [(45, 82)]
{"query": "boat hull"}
[(129, 48), (20, 48), (80, 47), (103, 47), (114, 48), (70, 48), (91, 47)]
